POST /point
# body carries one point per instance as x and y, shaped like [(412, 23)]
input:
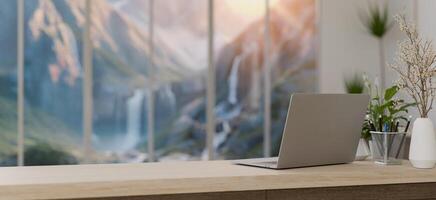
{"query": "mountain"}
[(54, 53), (54, 73), (239, 68), (53, 70), (293, 63)]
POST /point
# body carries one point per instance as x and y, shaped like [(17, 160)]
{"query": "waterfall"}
[(233, 80), (221, 137), (134, 108), (169, 96)]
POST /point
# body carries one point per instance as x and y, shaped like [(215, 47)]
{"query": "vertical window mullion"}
[(20, 77), (210, 90), (150, 123), (267, 86), (87, 84), (150, 91)]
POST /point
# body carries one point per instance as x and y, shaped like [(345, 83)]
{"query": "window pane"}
[(121, 72), (181, 66), (292, 57), (53, 81), (239, 39), (8, 83)]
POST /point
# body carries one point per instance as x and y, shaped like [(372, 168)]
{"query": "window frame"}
[(88, 80)]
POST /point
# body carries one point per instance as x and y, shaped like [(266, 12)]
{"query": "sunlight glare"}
[(249, 8)]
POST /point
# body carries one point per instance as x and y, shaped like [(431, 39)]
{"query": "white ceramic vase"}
[(422, 153), (362, 150)]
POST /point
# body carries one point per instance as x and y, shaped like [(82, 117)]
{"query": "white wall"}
[(426, 14), (346, 47)]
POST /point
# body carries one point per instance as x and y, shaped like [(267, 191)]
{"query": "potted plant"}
[(376, 21), (355, 85), (385, 109), (416, 67)]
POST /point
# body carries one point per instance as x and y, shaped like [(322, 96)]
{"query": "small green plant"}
[(354, 84), (376, 21), (385, 109)]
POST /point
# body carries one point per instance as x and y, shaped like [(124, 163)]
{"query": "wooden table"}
[(218, 180)]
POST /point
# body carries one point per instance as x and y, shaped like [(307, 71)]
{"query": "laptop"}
[(320, 129)]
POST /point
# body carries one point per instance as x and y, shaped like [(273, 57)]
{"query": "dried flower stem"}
[(416, 66)]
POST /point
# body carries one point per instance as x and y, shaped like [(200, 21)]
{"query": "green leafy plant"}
[(385, 106), (365, 134), (376, 21), (354, 84)]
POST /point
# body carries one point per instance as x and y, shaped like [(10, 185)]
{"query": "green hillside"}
[(39, 128)]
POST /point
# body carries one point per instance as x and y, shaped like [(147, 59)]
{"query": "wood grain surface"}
[(174, 178)]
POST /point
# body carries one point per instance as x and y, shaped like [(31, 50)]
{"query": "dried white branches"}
[(416, 66)]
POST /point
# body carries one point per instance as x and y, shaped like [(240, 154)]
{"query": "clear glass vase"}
[(387, 146)]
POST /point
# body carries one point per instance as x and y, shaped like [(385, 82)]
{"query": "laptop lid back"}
[(322, 129)]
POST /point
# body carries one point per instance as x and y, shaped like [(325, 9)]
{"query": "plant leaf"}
[(391, 92)]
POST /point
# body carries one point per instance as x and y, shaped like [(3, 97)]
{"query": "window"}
[(239, 41), (292, 57), (121, 71), (148, 78), (8, 84), (179, 76), (53, 82)]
